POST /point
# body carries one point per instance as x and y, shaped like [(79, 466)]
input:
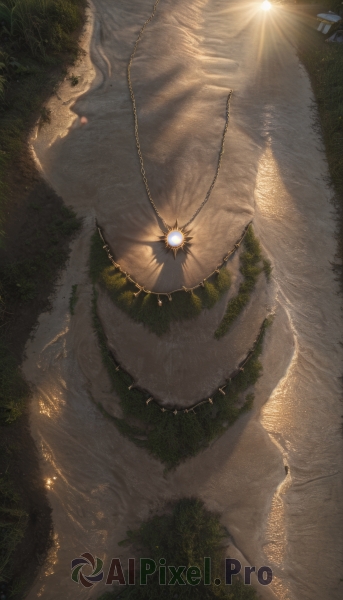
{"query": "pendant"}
[(176, 238)]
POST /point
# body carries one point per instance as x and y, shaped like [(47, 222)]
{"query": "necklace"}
[(175, 237)]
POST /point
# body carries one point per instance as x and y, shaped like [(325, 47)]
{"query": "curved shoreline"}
[(228, 475)]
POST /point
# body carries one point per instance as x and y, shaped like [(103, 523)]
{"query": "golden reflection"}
[(60, 334), (46, 453), (250, 11), (49, 482), (44, 409), (276, 416), (281, 590), (50, 562), (48, 457), (50, 403), (275, 548), (274, 202), (52, 556), (270, 27)]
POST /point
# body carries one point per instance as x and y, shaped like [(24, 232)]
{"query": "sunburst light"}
[(176, 238)]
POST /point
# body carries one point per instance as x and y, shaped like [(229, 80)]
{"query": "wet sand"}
[(274, 171)]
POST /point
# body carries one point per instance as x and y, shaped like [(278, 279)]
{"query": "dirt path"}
[(274, 170)]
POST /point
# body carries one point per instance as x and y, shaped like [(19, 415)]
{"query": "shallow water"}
[(274, 171)]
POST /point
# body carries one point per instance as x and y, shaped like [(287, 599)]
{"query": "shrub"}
[(14, 390), (324, 63), (184, 535), (174, 438), (250, 269), (144, 307), (13, 521), (40, 26)]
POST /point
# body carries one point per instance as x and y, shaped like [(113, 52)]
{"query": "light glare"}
[(175, 238), (266, 5)]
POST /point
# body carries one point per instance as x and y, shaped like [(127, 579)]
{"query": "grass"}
[(144, 308), (324, 63), (183, 535), (250, 259), (40, 27), (174, 438), (73, 299)]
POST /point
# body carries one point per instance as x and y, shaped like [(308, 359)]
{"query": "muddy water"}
[(274, 170)]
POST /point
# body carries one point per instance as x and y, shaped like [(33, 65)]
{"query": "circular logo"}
[(87, 559)]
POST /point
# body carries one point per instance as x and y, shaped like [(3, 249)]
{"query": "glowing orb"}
[(175, 238), (266, 5)]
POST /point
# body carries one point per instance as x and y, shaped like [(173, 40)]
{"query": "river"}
[(276, 475)]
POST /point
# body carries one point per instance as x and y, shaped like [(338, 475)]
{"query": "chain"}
[(142, 288), (140, 156), (207, 197)]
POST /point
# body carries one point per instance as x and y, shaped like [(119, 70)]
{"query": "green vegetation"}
[(250, 268), (267, 268), (21, 285), (73, 299), (25, 284), (174, 438), (38, 40), (13, 520), (144, 307), (20, 280), (14, 391), (333, 5), (36, 44), (324, 63), (185, 534), (41, 28)]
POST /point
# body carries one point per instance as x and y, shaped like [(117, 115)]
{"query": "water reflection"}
[(104, 483), (51, 401), (273, 200)]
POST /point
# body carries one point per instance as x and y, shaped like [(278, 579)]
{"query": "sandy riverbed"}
[(274, 171)]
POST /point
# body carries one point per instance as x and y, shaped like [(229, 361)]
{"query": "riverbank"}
[(104, 478), (272, 175), (36, 229), (324, 64)]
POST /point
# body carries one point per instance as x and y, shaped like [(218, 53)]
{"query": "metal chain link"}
[(140, 156)]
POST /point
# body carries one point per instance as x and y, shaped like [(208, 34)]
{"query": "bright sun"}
[(266, 5)]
